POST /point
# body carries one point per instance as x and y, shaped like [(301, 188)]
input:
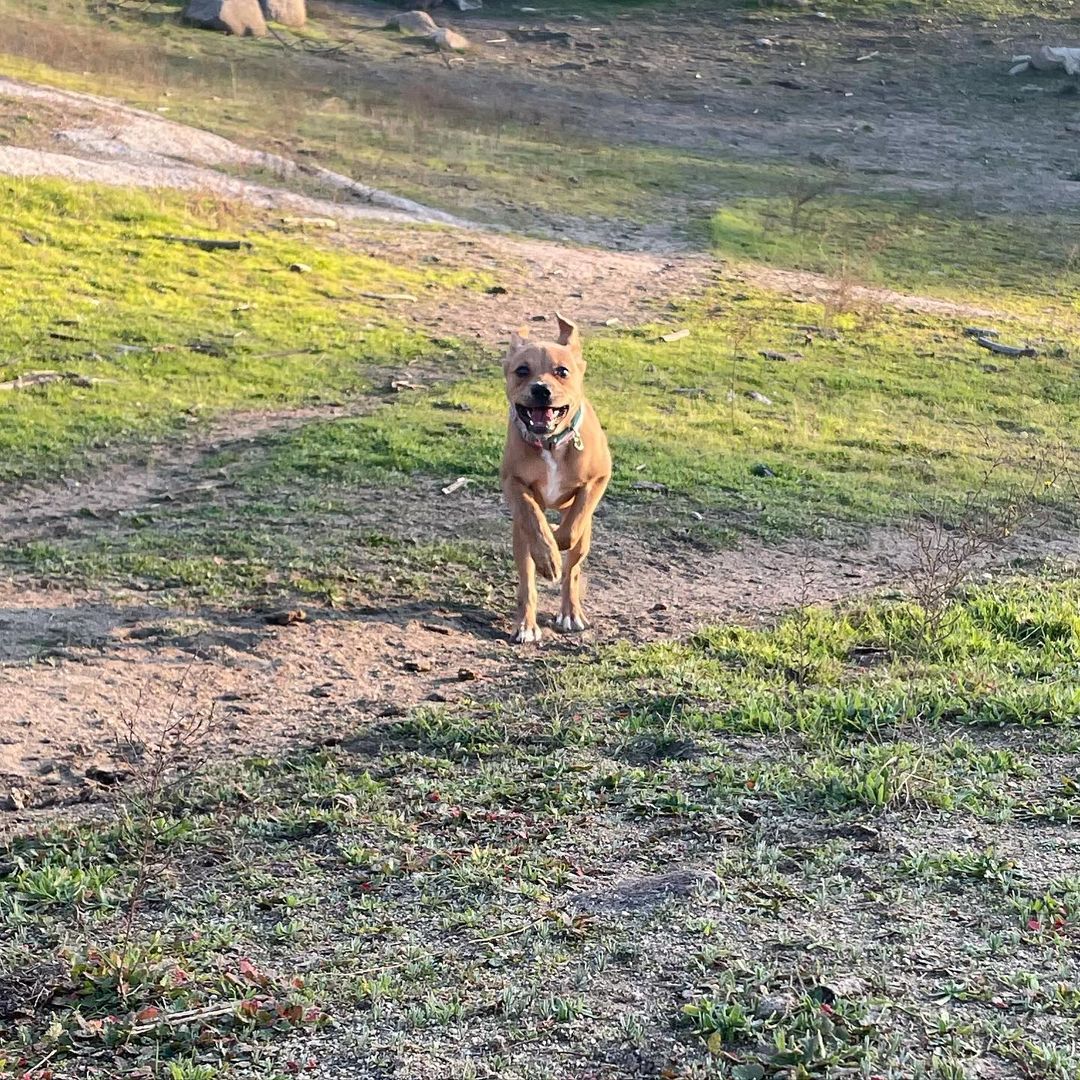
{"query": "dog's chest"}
[(550, 485)]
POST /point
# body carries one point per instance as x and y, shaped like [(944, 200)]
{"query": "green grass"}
[(886, 415), (944, 249), (171, 332), (453, 883), (893, 410)]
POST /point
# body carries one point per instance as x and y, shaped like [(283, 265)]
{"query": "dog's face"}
[(545, 380)]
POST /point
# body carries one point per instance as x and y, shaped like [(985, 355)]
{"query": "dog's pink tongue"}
[(542, 416)]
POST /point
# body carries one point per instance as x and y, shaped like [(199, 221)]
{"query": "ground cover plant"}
[(831, 845), (159, 332)]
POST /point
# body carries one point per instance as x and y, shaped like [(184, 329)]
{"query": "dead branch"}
[(209, 244), (1005, 350), (408, 297), (43, 378)]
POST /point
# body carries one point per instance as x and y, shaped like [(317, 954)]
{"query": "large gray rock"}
[(286, 12), (241, 17), (414, 22)]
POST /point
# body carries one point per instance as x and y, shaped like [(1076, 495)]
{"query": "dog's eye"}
[(522, 371), (562, 372)]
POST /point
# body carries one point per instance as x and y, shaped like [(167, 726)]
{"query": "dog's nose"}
[(541, 392)]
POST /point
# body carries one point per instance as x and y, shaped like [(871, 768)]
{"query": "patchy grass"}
[(750, 854), (875, 410), (906, 243), (169, 332), (877, 415), (499, 164)]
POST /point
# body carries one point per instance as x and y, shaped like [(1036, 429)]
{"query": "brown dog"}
[(556, 458)]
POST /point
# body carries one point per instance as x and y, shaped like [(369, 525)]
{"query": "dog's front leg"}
[(525, 620), (535, 552), (574, 536)]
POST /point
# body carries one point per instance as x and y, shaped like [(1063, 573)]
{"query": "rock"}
[(300, 268), (414, 22), (761, 469), (776, 1006), (760, 398), (287, 618), (241, 17), (848, 986), (16, 799), (418, 665), (450, 40), (466, 675), (286, 12), (108, 777), (646, 893)]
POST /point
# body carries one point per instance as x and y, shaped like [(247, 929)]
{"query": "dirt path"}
[(80, 670)]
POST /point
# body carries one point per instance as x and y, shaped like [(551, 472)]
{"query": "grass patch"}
[(668, 857), (169, 332), (905, 243), (871, 416)]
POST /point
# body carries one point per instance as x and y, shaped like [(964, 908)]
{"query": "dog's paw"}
[(570, 624), (548, 562), (526, 634)]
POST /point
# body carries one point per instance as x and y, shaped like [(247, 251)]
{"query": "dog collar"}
[(552, 442)]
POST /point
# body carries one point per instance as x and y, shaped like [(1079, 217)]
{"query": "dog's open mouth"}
[(542, 419)]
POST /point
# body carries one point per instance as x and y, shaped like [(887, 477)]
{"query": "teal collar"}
[(552, 442)]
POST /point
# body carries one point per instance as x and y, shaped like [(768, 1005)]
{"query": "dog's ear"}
[(517, 340), (568, 333)]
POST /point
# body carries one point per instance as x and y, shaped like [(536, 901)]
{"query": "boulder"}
[(450, 40), (286, 12), (241, 17), (414, 22)]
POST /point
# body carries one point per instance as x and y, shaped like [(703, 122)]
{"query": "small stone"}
[(467, 675), (776, 1006), (105, 776), (754, 395), (848, 986), (16, 799), (418, 665), (300, 268), (450, 40), (287, 618), (760, 469)]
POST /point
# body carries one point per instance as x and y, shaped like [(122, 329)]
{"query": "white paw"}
[(526, 634), (569, 624)]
